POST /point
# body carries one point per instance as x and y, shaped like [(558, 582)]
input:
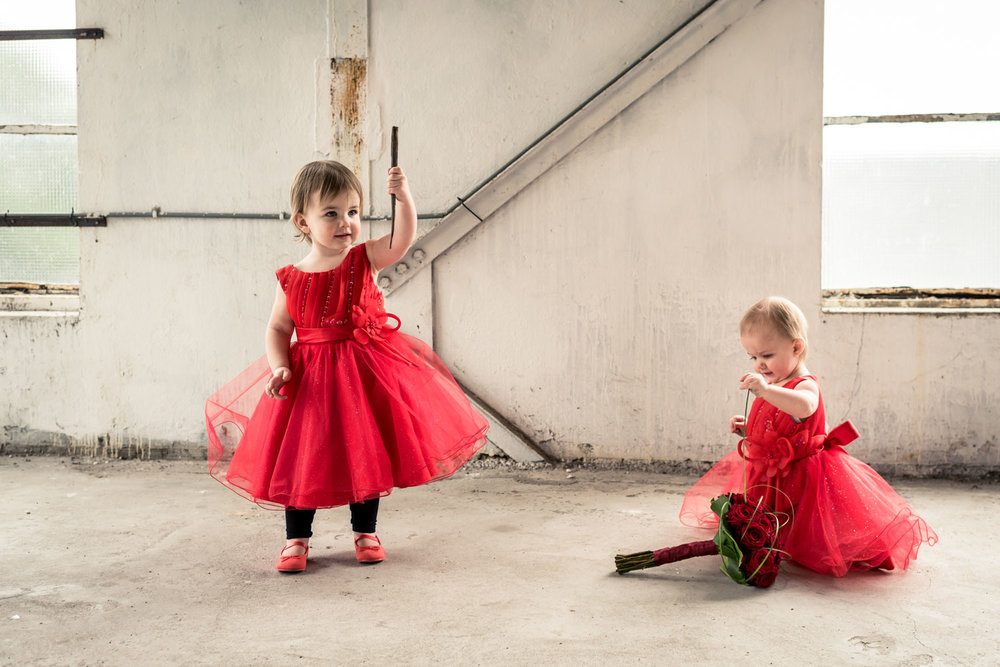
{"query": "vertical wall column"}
[(349, 85)]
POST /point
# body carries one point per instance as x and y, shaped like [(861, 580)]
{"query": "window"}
[(38, 148), (911, 150)]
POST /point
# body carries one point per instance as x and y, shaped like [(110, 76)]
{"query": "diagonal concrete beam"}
[(507, 437), (573, 130)]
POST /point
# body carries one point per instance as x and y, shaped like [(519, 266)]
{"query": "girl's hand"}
[(380, 252), (398, 185), (738, 426), (755, 382), (279, 376)]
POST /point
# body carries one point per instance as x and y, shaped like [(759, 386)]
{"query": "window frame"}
[(908, 300), (21, 299)]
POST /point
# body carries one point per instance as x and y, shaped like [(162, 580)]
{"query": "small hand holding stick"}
[(394, 154)]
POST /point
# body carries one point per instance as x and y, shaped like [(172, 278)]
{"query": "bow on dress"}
[(770, 455)]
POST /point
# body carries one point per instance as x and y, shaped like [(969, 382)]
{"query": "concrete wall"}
[(630, 263), (615, 282), (596, 310), (185, 106)]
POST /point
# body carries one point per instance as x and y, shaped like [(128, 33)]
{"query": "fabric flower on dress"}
[(368, 323), (770, 456)]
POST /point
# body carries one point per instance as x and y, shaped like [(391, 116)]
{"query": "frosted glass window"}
[(40, 255), (912, 204), (38, 171), (39, 82)]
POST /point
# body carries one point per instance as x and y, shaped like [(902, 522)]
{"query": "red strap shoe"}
[(296, 563), (371, 554)]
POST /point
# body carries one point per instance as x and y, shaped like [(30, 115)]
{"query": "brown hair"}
[(329, 179), (781, 315)]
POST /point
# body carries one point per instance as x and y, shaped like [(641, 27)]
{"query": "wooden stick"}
[(394, 154)]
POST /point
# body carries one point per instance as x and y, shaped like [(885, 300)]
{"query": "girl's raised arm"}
[(799, 402), (380, 255)]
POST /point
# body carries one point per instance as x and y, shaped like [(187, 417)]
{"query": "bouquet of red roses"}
[(747, 540)]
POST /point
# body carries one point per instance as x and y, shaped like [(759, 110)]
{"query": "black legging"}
[(298, 523)]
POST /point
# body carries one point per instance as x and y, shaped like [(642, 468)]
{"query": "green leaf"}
[(729, 547), (721, 505)]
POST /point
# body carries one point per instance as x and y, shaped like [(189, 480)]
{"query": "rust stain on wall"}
[(349, 97)]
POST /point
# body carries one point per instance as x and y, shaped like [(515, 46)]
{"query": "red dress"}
[(367, 409), (844, 515)]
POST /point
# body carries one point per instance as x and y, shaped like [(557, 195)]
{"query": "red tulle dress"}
[(844, 515), (368, 409)]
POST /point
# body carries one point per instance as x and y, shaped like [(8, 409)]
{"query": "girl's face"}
[(774, 356), (334, 223)]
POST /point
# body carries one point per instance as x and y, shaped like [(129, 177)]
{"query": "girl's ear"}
[(798, 345), (299, 221)]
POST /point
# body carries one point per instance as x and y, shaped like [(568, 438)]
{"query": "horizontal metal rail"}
[(69, 33), (67, 219), (49, 220), (157, 213)]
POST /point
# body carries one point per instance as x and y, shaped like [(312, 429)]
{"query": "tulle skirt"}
[(844, 515), (358, 421)]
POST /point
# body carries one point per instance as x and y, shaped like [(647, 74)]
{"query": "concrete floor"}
[(127, 562)]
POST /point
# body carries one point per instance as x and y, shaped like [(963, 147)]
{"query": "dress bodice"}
[(326, 298), (765, 420), (774, 438)]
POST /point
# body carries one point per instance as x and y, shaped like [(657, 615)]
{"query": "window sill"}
[(909, 301), (57, 302)]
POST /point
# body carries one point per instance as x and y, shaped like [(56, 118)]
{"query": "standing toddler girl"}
[(844, 515), (352, 408)]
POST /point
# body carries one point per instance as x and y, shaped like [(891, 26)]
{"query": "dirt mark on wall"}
[(349, 99)]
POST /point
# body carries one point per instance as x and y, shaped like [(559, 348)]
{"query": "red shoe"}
[(369, 555), (296, 563)]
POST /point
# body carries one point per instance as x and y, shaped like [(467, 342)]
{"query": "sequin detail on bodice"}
[(326, 298), (775, 439)]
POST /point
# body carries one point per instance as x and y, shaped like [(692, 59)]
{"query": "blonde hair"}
[(329, 179), (780, 314)]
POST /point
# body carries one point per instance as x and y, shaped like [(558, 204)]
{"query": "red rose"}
[(755, 535), (761, 567), (765, 577), (766, 522), (739, 514)]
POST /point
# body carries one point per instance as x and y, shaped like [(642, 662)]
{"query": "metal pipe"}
[(100, 220), (156, 213), (71, 33), (47, 220)]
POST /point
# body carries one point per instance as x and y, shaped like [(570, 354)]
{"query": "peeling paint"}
[(910, 298), (349, 99)]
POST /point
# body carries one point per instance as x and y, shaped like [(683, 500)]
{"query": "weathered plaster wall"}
[(617, 279), (597, 310), (612, 285), (921, 388), (471, 84), (186, 106)]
